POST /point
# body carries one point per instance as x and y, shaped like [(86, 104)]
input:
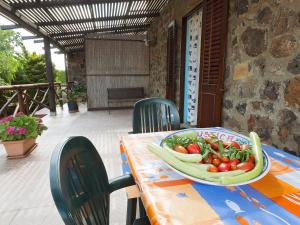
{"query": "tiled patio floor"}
[(25, 197)]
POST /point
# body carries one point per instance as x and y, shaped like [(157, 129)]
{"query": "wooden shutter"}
[(171, 62), (212, 62)]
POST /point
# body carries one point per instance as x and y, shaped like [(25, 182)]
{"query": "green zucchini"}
[(259, 163), (179, 165)]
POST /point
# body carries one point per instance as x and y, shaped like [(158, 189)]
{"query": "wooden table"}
[(171, 199)]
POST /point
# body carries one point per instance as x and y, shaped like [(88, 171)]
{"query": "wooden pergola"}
[(65, 23)]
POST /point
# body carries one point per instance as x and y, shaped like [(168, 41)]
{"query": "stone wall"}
[(76, 67), (262, 81), (175, 10)]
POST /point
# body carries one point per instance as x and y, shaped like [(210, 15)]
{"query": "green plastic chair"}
[(80, 186), (155, 114)]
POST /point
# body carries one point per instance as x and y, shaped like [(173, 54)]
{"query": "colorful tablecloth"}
[(171, 199)]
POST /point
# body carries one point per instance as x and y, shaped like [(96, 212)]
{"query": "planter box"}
[(19, 149), (73, 106)]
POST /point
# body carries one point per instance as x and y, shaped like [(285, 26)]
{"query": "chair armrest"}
[(121, 182)]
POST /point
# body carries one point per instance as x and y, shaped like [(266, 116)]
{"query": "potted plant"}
[(18, 134), (75, 95), (72, 102)]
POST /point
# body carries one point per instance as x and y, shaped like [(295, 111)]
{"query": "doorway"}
[(204, 39), (193, 29)]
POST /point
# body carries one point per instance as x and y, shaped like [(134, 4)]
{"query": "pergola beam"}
[(57, 3), (74, 44), (30, 37), (9, 27), (125, 28), (24, 23), (62, 38), (54, 23), (38, 41)]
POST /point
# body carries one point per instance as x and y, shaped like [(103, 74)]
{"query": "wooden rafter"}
[(7, 11), (54, 23), (57, 3), (125, 28)]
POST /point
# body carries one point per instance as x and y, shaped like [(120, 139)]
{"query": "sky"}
[(57, 59)]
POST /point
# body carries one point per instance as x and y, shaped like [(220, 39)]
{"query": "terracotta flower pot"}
[(19, 149)]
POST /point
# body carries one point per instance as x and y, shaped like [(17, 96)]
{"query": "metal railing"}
[(27, 98)]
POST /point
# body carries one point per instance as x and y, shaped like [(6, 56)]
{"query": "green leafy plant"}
[(77, 93), (20, 127)]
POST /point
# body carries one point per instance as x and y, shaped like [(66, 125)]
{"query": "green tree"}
[(32, 68), (60, 76), (9, 63)]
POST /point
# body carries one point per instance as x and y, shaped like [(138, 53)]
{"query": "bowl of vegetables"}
[(214, 156)]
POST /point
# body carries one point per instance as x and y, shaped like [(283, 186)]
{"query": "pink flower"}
[(6, 119), (22, 131), (11, 130)]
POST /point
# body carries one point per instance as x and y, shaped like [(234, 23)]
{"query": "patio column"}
[(50, 77)]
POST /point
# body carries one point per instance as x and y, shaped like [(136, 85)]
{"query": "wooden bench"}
[(117, 95)]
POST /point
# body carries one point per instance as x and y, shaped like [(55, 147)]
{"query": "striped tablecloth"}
[(171, 199)]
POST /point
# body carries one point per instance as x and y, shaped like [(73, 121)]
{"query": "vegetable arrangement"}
[(212, 159)]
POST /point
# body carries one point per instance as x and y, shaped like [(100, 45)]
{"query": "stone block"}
[(241, 108), (283, 134), (286, 118), (263, 126), (265, 16), (283, 46), (254, 41), (292, 95), (241, 71), (294, 65), (242, 6), (270, 90), (228, 104), (256, 105)]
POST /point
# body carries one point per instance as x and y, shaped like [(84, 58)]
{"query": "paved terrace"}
[(25, 197)]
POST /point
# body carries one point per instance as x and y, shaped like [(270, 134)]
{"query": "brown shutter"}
[(212, 62), (171, 62)]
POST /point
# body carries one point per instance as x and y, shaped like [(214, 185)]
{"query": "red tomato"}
[(210, 158), (181, 149), (251, 159), (226, 144), (233, 166), (235, 144), (224, 167), (214, 146), (216, 162), (193, 149), (245, 146), (212, 169), (225, 159), (245, 166), (235, 161)]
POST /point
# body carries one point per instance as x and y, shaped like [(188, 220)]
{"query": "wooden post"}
[(50, 77), (21, 102)]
